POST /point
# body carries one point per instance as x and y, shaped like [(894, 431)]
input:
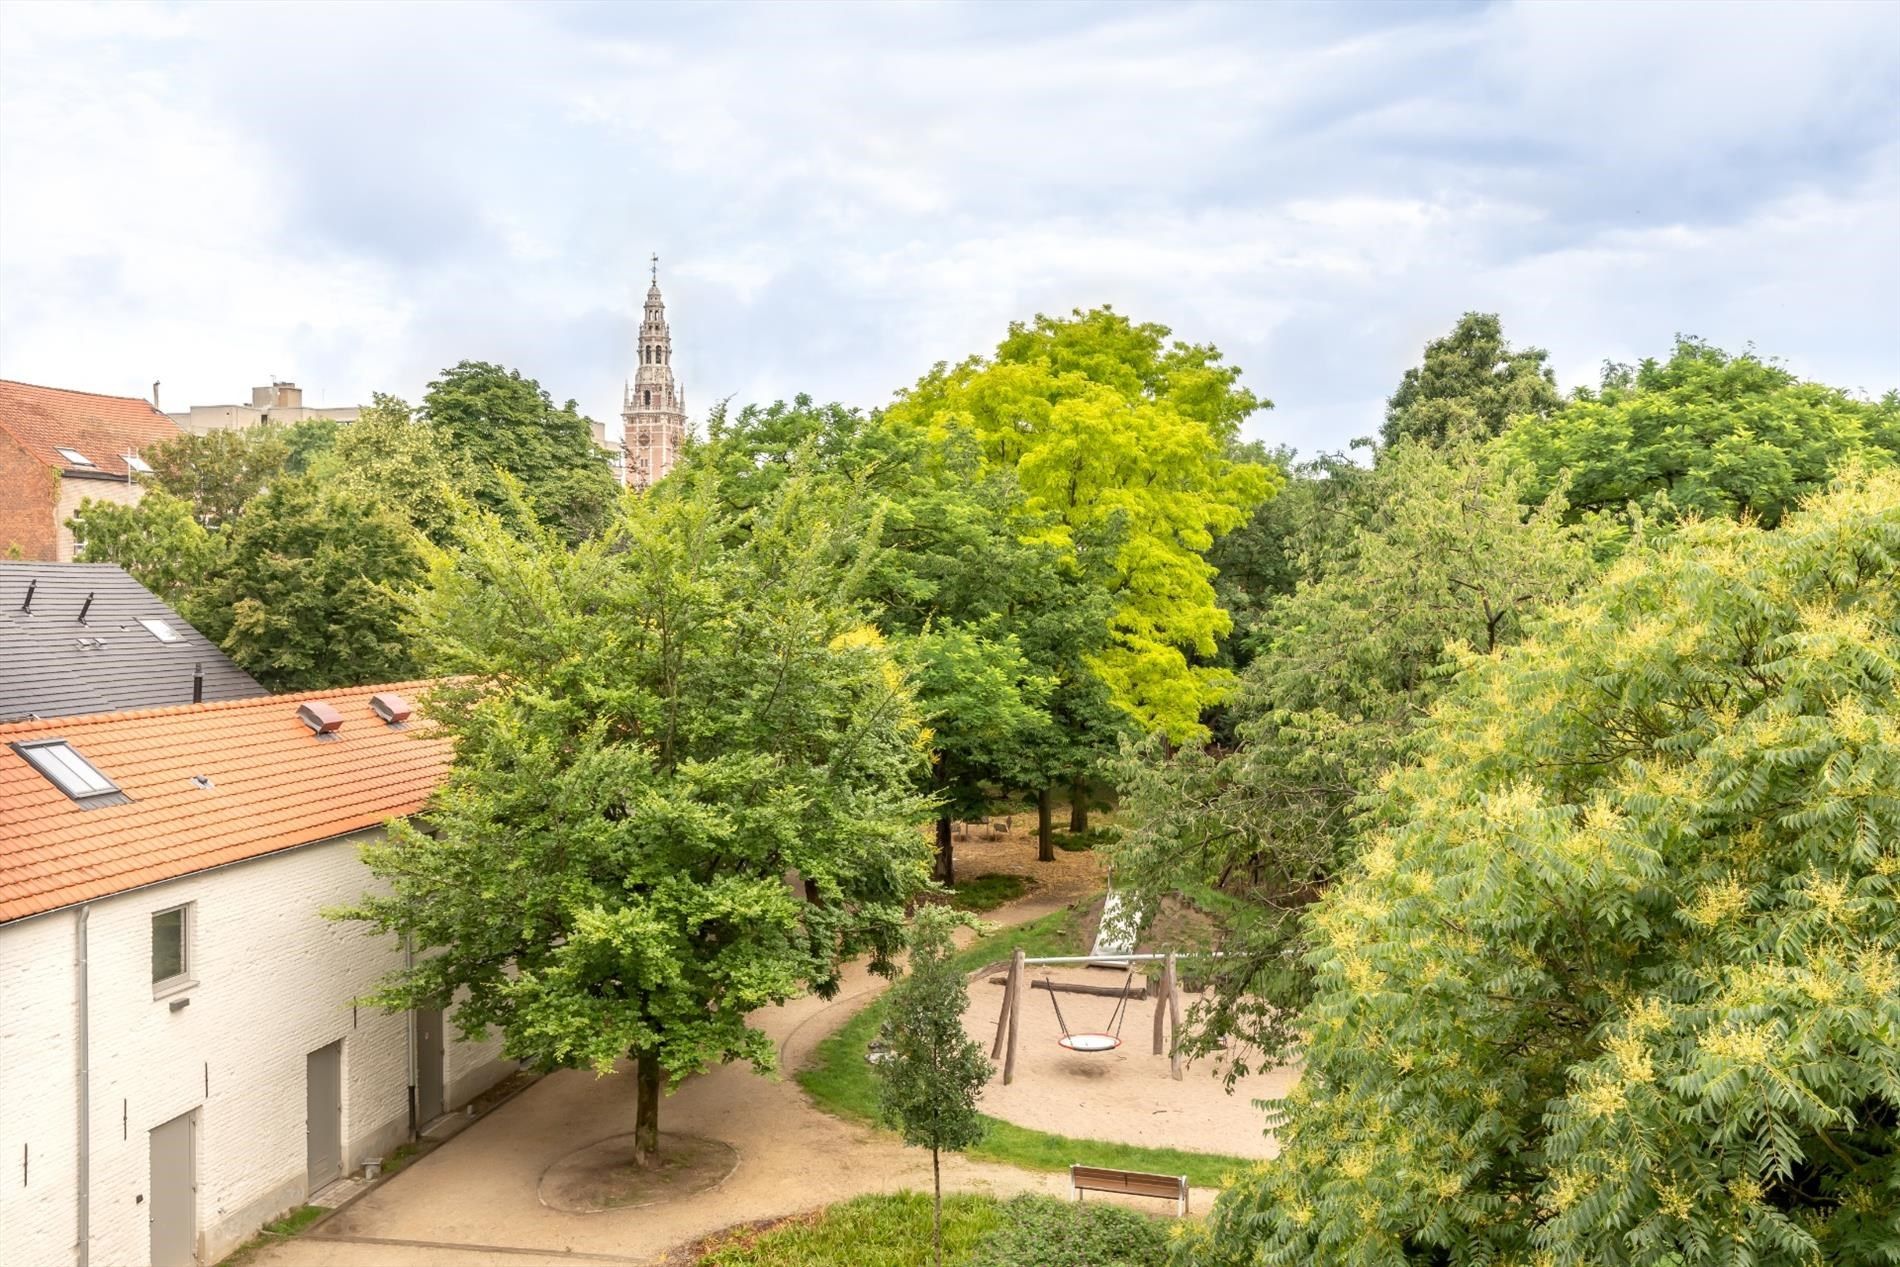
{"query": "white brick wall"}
[(275, 981)]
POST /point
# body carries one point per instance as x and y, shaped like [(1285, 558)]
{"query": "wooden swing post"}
[(1014, 990), (1008, 1009), (1161, 1012)]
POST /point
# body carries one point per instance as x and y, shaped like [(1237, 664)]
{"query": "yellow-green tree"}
[(1616, 977), (1119, 441)]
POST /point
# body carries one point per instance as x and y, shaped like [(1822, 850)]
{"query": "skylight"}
[(160, 629), (74, 456), (138, 464), (69, 772)]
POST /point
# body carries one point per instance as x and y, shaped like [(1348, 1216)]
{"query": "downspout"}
[(409, 1033), (84, 1176)]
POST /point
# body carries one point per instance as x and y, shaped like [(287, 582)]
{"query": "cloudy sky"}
[(353, 196)]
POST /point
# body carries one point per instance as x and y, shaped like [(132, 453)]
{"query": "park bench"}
[(1134, 1183)]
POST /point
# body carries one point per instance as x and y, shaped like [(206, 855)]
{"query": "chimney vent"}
[(198, 683), (320, 717), (391, 707), (84, 608)]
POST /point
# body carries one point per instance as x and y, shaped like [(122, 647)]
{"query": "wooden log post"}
[(1161, 1012), (1004, 1017), (1174, 1020), (1015, 991)]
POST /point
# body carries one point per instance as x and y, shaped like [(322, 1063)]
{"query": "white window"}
[(160, 629), (69, 772), (74, 456), (138, 464), (171, 949)]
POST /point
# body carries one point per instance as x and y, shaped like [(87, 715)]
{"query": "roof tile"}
[(103, 428)]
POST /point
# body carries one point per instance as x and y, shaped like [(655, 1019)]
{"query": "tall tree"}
[(502, 423), (933, 1070), (1704, 433), (306, 595), (220, 471), (1111, 431), (404, 462), (1617, 977), (653, 730), (1471, 382), (1444, 560), (159, 541)]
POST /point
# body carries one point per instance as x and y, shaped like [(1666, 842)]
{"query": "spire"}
[(654, 410)]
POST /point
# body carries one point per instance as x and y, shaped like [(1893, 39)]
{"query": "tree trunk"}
[(1078, 804), (646, 1117), (1045, 843), (946, 857), (936, 1220)]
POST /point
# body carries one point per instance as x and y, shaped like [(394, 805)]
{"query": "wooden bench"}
[(1134, 1183)]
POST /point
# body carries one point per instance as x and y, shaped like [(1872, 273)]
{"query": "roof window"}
[(138, 464), (71, 773), (160, 629), (74, 456)]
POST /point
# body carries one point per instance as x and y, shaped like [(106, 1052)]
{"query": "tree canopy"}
[(1119, 441), (220, 471), (1471, 382), (659, 732), (1704, 433), (1616, 978), (159, 540)]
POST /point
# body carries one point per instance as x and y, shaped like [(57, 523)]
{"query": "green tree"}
[(1471, 382), (659, 734), (159, 541), (504, 423), (390, 456), (307, 592), (1616, 979), (933, 1070), (1441, 560), (1112, 432), (220, 471), (1704, 433)]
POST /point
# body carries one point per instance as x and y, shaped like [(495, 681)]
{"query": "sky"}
[(354, 196)]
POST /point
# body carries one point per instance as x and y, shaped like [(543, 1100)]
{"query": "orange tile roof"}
[(103, 428), (274, 785)]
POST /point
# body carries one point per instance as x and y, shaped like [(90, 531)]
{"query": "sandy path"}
[(474, 1199)]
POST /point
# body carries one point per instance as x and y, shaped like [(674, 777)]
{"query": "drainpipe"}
[(409, 1034), (84, 1176)]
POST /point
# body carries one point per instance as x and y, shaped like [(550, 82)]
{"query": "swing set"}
[(1090, 1042)]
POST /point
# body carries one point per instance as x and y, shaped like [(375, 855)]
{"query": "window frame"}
[(171, 633), (89, 799), (183, 979), (74, 456)]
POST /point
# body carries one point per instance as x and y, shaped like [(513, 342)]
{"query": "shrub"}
[(1037, 1231)]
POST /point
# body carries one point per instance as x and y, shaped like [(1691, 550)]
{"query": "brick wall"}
[(28, 492), (274, 981), (73, 490)]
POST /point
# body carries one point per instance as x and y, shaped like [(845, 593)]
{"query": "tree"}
[(505, 423), (1114, 434), (931, 1073), (1616, 978), (1442, 559), (1704, 433), (1471, 382), (220, 471), (661, 733), (408, 464), (158, 540), (307, 594)]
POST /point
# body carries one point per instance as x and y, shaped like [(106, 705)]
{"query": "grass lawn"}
[(842, 1081), (987, 892)]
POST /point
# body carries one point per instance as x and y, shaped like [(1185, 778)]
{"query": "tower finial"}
[(656, 266)]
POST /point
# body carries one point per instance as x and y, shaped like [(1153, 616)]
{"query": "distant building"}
[(81, 638), (278, 402), (182, 1053), (59, 447), (653, 409)]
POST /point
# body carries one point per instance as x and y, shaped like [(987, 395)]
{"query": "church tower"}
[(654, 410)]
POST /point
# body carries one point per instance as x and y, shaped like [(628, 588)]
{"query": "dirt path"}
[(474, 1199)]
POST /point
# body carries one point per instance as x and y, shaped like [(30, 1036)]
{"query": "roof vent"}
[(320, 717), (391, 707)]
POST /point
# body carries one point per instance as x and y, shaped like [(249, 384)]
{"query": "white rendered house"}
[(181, 1055)]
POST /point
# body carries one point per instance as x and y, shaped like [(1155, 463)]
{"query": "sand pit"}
[(1124, 1095)]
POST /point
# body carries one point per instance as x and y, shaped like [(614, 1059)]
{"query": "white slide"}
[(1116, 936)]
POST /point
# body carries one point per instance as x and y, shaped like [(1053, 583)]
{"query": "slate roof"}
[(273, 785), (53, 666), (101, 428)]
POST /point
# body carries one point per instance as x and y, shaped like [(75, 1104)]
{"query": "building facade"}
[(279, 402), (653, 410), (182, 1057), (60, 447)]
